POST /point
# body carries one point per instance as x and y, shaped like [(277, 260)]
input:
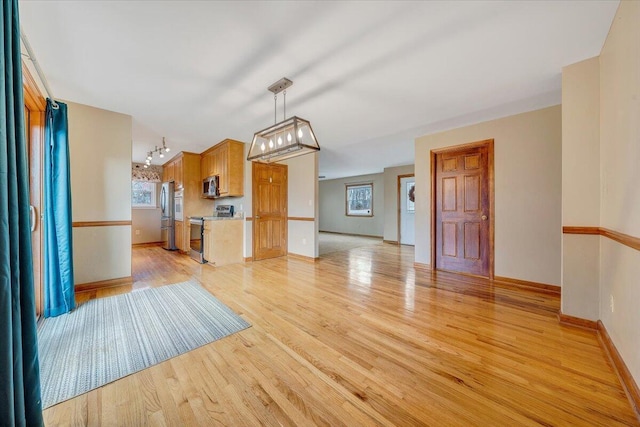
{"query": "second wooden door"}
[(463, 209), (269, 210)]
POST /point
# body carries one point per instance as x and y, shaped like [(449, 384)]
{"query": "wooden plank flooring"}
[(361, 338)]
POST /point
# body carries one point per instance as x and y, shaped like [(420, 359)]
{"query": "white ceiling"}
[(370, 76)]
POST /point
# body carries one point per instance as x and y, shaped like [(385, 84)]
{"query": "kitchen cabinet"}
[(178, 175), (172, 171), (225, 159), (222, 169), (179, 226), (184, 170), (168, 172), (206, 238), (223, 241), (208, 168)]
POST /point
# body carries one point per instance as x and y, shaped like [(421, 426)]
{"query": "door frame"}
[(488, 143), (399, 211), (35, 103)]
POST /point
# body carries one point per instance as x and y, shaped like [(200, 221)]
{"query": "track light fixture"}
[(160, 150)]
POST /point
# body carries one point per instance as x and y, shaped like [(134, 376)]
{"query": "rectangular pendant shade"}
[(289, 138)]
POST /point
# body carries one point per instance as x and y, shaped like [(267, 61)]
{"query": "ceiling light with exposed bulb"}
[(300, 137)]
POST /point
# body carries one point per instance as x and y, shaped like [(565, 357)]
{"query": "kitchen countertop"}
[(219, 218)]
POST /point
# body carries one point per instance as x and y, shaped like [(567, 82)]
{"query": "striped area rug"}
[(106, 339)]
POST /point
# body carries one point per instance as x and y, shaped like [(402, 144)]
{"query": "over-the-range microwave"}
[(210, 187)]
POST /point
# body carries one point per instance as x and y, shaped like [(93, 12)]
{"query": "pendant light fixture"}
[(290, 138), (160, 150)]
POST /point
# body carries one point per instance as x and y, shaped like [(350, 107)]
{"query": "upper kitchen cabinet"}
[(168, 172), (226, 160), (178, 173), (173, 171)]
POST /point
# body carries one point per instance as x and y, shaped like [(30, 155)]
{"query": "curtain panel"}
[(149, 174), (20, 402), (59, 295)]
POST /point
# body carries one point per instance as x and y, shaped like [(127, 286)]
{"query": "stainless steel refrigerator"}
[(167, 210)]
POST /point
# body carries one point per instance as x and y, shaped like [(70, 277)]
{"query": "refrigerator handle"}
[(32, 217), (163, 202)]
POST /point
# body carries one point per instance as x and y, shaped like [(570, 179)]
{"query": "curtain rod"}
[(34, 61)]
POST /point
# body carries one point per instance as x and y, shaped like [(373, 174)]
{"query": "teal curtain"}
[(59, 295), (20, 403)]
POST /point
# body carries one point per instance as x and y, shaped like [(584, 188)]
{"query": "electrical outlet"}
[(611, 303), (304, 241), (137, 232)]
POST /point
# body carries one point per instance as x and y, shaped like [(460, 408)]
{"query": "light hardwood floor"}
[(362, 338), (334, 242)]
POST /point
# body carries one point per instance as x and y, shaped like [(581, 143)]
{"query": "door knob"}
[(484, 217), (257, 216)]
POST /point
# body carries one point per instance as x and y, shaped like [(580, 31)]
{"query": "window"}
[(359, 199), (143, 194)]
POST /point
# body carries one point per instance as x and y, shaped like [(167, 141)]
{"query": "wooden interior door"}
[(463, 205), (269, 210), (34, 115)]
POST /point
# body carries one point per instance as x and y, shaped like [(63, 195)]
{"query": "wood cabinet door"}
[(178, 176), (269, 210), (168, 172), (463, 210), (206, 243), (222, 168), (235, 171), (206, 166), (226, 160), (179, 229)]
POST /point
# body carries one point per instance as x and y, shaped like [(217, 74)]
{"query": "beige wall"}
[(620, 122), (101, 253), (333, 203), (391, 200), (601, 154), (581, 143), (100, 151), (620, 175), (581, 276), (303, 203), (581, 188), (527, 192), (146, 223)]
